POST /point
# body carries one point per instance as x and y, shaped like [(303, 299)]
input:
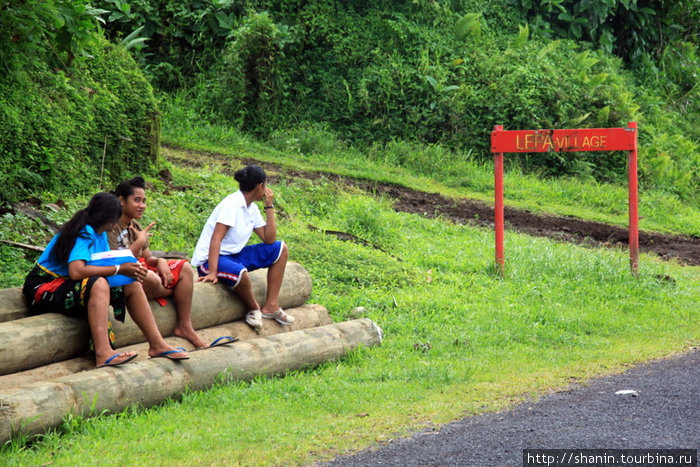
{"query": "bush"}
[(250, 86), (95, 121)]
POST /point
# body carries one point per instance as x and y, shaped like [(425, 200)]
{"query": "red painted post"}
[(633, 199), (498, 206), (566, 140)]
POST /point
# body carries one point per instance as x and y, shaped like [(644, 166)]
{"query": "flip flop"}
[(167, 354), (223, 340), (108, 361)]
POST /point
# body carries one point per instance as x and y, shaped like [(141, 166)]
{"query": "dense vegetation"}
[(370, 74), (437, 73), (71, 102)]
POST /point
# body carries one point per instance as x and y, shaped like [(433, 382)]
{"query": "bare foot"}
[(269, 308), (191, 336)]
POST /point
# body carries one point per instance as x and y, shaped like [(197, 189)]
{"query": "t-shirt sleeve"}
[(228, 215), (81, 249)]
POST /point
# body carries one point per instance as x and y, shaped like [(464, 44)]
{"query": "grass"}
[(459, 339), (434, 169)]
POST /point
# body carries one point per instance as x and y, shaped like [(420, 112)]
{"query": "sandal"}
[(254, 319), (280, 316)]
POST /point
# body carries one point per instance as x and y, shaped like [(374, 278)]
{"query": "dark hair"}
[(126, 187), (250, 177), (102, 209)]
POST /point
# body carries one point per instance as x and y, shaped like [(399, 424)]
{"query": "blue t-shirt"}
[(87, 243)]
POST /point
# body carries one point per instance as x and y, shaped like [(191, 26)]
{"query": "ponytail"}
[(102, 209)]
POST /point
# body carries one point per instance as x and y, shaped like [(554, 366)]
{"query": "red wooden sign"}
[(584, 139)]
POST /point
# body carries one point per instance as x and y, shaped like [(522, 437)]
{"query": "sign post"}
[(583, 139)]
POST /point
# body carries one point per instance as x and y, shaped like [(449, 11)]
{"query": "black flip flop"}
[(167, 354)]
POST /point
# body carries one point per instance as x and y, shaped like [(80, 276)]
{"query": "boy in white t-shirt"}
[(223, 255)]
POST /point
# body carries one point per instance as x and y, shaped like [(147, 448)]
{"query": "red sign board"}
[(584, 139)]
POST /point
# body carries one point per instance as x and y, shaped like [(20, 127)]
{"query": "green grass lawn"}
[(459, 339)]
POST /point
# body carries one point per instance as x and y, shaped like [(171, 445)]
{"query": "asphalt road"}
[(664, 414)]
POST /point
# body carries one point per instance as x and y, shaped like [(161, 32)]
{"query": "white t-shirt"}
[(241, 219)]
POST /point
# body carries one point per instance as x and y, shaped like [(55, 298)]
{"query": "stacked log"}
[(47, 375), (40, 340)]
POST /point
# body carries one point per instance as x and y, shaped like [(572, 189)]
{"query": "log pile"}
[(45, 373)]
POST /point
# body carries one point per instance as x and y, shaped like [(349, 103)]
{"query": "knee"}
[(244, 280), (132, 289), (100, 286), (152, 281), (100, 290), (187, 271)]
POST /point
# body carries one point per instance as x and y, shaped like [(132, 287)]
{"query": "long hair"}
[(126, 187), (102, 209), (249, 177)]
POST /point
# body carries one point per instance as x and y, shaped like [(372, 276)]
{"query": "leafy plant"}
[(251, 85), (630, 28)]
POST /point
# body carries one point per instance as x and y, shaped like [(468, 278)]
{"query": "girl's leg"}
[(140, 312), (275, 274), (182, 297), (98, 315)]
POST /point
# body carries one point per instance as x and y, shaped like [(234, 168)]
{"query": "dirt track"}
[(466, 211)]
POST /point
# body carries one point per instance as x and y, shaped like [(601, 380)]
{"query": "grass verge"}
[(459, 339)]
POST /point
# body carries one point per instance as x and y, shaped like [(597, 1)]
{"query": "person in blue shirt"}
[(63, 281)]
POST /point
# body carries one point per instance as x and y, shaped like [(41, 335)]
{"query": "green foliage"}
[(55, 30), (431, 72), (250, 85), (630, 28), (541, 84), (184, 37), (72, 129)]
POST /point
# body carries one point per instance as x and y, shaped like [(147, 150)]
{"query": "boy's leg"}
[(153, 286)]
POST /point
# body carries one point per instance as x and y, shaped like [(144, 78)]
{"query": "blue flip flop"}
[(109, 360), (223, 340), (168, 354)]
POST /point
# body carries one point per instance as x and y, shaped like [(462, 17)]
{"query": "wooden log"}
[(36, 407), (39, 340), (307, 316), (12, 304)]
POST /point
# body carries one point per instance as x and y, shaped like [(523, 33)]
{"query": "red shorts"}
[(175, 266)]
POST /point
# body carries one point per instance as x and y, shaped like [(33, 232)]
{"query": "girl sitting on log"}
[(165, 278), (63, 281), (222, 254)]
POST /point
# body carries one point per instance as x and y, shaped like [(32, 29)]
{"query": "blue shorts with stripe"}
[(250, 258)]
